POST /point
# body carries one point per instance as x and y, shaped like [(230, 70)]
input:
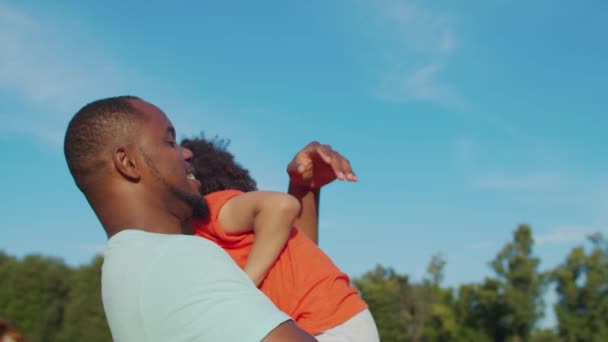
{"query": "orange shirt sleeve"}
[(211, 228)]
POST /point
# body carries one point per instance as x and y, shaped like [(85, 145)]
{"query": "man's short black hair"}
[(215, 167), (94, 128)]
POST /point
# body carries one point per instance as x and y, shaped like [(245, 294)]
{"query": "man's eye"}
[(171, 143)]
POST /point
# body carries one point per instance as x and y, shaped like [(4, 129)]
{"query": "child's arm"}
[(271, 216)]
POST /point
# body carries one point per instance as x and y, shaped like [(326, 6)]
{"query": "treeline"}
[(50, 301), (504, 307)]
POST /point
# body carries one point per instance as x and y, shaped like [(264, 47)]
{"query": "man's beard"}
[(200, 209)]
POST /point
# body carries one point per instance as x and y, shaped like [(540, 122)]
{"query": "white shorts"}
[(360, 328)]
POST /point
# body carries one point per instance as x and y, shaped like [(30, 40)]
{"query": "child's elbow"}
[(289, 205)]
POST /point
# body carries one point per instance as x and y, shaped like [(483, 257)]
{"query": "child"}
[(255, 229)]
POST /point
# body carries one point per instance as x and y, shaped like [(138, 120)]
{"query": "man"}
[(157, 283)]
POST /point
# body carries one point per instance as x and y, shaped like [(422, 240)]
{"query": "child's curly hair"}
[(215, 167)]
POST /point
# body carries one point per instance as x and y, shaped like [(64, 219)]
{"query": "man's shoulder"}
[(140, 249), (151, 260), (133, 238)]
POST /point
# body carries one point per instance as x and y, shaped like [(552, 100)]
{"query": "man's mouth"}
[(193, 179)]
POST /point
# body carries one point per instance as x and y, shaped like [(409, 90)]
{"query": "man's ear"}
[(125, 163)]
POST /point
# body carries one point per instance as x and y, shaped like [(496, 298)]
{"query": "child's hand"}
[(317, 165)]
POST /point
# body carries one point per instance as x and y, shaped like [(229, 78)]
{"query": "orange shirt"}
[(303, 282)]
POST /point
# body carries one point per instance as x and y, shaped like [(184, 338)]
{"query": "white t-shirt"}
[(161, 287)]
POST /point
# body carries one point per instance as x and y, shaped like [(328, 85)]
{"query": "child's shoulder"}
[(216, 200), (222, 194)]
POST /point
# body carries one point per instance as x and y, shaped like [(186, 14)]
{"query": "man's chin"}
[(200, 209)]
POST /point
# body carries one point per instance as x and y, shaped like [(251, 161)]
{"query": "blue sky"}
[(461, 119)]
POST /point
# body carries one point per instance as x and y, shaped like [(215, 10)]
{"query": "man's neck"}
[(131, 208), (135, 214), (146, 219)]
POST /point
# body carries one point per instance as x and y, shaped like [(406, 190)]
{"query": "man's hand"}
[(317, 165)]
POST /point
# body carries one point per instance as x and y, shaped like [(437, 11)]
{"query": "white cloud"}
[(484, 245), (530, 181), (566, 235), (424, 40), (468, 156), (465, 151), (448, 41), (420, 28), (48, 73), (563, 235), (419, 84)]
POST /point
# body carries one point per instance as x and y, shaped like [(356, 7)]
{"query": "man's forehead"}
[(154, 115)]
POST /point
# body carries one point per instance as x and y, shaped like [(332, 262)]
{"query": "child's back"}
[(304, 282)]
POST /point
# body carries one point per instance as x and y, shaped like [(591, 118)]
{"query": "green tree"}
[(406, 311), (544, 335), (521, 285), (442, 323), (582, 290), (8, 267), (506, 307), (480, 309), (33, 293), (84, 316), (399, 307)]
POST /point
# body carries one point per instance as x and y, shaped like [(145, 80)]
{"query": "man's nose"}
[(187, 154)]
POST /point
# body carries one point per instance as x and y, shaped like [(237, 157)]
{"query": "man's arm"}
[(308, 220), (288, 331), (311, 168), (271, 215)]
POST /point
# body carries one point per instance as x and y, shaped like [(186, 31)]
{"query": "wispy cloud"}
[(528, 181), (465, 150), (484, 245), (423, 42), (471, 157), (47, 73), (546, 188), (563, 235), (421, 84), (566, 235), (420, 28)]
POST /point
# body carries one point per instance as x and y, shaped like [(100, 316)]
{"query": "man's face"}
[(169, 169)]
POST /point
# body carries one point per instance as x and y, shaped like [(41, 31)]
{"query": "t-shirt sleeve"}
[(195, 292), (211, 228)]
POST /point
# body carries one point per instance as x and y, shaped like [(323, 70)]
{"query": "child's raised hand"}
[(317, 165)]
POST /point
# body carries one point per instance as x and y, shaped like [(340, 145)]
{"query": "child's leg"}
[(360, 328)]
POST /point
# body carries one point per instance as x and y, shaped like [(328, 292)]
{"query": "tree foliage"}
[(506, 306), (84, 318), (33, 294), (582, 289), (50, 301)]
